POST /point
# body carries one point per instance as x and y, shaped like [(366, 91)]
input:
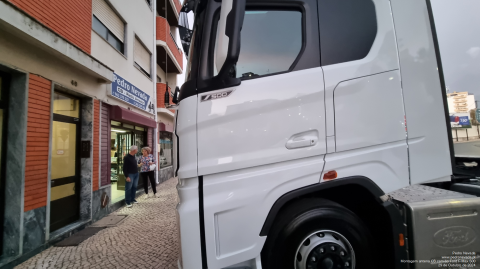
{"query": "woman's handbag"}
[(152, 167)]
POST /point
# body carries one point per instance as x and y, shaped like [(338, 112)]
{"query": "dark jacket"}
[(129, 165)]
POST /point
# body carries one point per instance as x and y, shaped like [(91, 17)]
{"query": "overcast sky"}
[(458, 23)]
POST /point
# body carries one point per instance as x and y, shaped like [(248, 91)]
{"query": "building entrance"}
[(65, 165)]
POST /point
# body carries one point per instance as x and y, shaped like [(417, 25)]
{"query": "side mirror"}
[(175, 95), (187, 6), (183, 25), (228, 40), (166, 97)]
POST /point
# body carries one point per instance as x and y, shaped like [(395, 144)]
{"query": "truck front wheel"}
[(318, 234)]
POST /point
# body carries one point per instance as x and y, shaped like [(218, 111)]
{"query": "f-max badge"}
[(217, 95)]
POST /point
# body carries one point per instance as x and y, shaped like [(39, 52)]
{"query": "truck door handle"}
[(301, 140)]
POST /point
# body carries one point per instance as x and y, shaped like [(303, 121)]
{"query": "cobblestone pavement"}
[(146, 239)]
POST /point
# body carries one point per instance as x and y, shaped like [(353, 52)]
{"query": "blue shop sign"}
[(125, 91)]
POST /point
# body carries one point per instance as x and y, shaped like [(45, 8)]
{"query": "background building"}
[(170, 59), (79, 82)]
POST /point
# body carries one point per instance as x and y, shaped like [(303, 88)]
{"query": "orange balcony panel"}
[(163, 34)]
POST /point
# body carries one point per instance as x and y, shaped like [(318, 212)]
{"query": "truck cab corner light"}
[(401, 240), (330, 175)]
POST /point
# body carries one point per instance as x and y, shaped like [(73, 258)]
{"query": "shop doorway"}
[(65, 161), (123, 136)]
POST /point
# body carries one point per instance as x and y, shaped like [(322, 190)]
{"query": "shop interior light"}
[(118, 131)]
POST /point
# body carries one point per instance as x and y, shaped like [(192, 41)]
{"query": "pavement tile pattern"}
[(146, 239)]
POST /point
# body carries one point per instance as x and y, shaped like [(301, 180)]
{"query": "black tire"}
[(305, 217)]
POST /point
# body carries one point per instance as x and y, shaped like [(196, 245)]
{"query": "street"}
[(146, 239)]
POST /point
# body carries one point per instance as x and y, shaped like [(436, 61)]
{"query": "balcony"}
[(171, 11), (166, 46), (161, 97)]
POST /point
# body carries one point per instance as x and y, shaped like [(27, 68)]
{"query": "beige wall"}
[(172, 77), (139, 21), (161, 73), (163, 117), (18, 53)]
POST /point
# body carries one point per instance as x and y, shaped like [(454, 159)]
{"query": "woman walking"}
[(146, 160)]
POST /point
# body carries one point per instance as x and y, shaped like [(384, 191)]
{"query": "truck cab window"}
[(271, 41), (347, 29)]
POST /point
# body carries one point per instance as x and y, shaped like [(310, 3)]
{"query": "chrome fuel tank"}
[(443, 227)]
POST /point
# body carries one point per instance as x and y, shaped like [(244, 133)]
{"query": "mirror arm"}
[(233, 29)]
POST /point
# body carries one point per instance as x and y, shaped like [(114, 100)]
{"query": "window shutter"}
[(109, 18), (105, 145), (141, 56)]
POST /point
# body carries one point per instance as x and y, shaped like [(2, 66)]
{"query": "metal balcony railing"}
[(175, 42)]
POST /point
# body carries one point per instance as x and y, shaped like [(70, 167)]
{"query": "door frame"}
[(78, 175), (4, 94)]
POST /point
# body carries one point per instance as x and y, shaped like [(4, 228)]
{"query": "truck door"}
[(365, 118), (277, 112)]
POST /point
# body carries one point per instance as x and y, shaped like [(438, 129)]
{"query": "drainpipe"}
[(155, 131)]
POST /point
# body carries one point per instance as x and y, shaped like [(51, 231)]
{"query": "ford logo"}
[(454, 237)]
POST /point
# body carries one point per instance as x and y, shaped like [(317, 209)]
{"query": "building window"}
[(142, 57), (107, 24), (166, 149)]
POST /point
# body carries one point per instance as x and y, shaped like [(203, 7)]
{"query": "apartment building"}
[(170, 59), (79, 83)]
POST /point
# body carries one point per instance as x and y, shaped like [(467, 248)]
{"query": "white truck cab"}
[(300, 129)]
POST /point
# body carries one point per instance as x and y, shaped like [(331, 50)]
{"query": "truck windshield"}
[(196, 16)]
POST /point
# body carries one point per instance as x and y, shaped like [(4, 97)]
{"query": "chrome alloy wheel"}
[(325, 249)]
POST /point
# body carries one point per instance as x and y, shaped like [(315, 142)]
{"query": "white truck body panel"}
[(429, 153), (386, 164), (237, 202), (252, 125), (186, 129), (381, 58), (189, 221), (369, 112)]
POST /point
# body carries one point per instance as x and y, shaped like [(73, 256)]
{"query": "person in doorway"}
[(146, 160), (130, 171)]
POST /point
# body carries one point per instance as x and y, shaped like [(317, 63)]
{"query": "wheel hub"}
[(329, 256), (325, 250)]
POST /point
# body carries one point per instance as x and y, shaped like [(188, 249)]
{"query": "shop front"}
[(165, 151), (122, 137), (125, 129)]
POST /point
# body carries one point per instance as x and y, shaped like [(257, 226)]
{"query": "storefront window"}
[(166, 149)]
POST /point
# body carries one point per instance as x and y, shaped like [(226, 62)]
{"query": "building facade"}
[(79, 82)]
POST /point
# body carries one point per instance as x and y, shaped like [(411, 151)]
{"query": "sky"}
[(457, 23)]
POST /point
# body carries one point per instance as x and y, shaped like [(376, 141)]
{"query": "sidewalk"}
[(147, 238)]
